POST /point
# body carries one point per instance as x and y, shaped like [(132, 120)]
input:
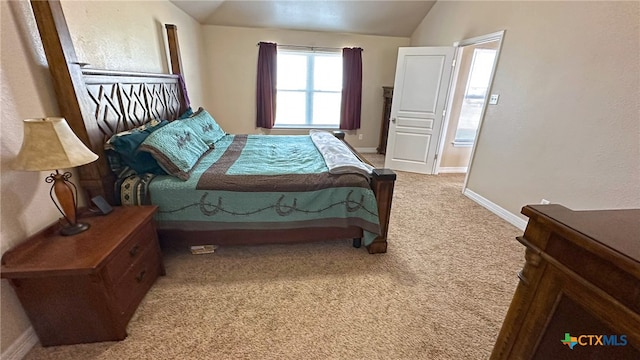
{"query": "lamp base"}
[(74, 229)]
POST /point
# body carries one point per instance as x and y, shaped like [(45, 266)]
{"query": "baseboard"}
[(366, 150), (452, 170), (511, 218), (21, 347)]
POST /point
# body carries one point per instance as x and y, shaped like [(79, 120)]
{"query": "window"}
[(475, 93), (309, 89)]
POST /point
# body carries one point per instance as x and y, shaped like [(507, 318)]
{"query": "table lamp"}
[(50, 144)]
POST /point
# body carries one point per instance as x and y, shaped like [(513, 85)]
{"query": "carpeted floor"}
[(440, 292)]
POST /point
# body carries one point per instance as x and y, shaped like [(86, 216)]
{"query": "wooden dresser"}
[(579, 290), (85, 288), (387, 93)]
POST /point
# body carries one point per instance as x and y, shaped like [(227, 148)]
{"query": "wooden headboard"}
[(99, 103)]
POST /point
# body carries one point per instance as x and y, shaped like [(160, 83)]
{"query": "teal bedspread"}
[(264, 182)]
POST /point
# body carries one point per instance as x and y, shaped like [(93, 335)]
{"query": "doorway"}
[(476, 60)]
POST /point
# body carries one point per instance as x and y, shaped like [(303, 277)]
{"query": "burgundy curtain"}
[(266, 85), (351, 88)]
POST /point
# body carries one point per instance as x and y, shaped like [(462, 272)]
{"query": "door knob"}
[(393, 120)]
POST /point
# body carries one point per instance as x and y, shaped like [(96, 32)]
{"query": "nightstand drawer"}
[(137, 280), (130, 251)]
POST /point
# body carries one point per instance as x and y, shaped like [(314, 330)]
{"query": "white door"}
[(417, 111)]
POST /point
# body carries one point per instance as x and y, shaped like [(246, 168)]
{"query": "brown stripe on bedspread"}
[(215, 178), (227, 159)]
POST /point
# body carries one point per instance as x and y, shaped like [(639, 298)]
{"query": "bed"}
[(100, 103)]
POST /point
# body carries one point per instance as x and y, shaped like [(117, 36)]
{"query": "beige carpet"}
[(440, 292)]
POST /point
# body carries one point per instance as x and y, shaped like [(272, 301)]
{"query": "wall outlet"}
[(544, 201), (493, 99), (360, 136)]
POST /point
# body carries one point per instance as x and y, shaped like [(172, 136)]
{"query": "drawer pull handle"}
[(141, 275), (134, 250)]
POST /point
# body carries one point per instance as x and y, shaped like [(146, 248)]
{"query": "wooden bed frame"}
[(100, 103)]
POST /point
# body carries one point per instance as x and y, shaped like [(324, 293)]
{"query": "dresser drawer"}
[(131, 250), (137, 280)]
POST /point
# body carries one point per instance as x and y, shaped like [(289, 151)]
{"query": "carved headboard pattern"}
[(121, 101)]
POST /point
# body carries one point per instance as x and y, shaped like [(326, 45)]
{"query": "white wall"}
[(567, 127), (232, 56), (130, 36), (112, 35)]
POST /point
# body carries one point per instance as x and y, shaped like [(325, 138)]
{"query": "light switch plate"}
[(493, 100)]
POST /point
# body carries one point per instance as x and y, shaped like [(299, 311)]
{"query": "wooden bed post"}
[(382, 184), (174, 49), (70, 90)]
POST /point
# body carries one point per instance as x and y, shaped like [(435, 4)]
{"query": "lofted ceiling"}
[(377, 17)]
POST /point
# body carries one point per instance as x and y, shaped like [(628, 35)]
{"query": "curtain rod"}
[(308, 47)]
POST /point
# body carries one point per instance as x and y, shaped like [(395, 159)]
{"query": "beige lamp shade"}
[(50, 144)]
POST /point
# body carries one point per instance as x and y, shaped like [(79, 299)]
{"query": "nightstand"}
[(85, 288)]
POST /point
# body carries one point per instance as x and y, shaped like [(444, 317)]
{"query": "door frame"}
[(495, 36)]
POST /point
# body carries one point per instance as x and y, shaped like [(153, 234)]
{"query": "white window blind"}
[(309, 86)]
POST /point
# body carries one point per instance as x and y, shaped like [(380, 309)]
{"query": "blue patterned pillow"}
[(125, 145), (176, 147), (203, 124)]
